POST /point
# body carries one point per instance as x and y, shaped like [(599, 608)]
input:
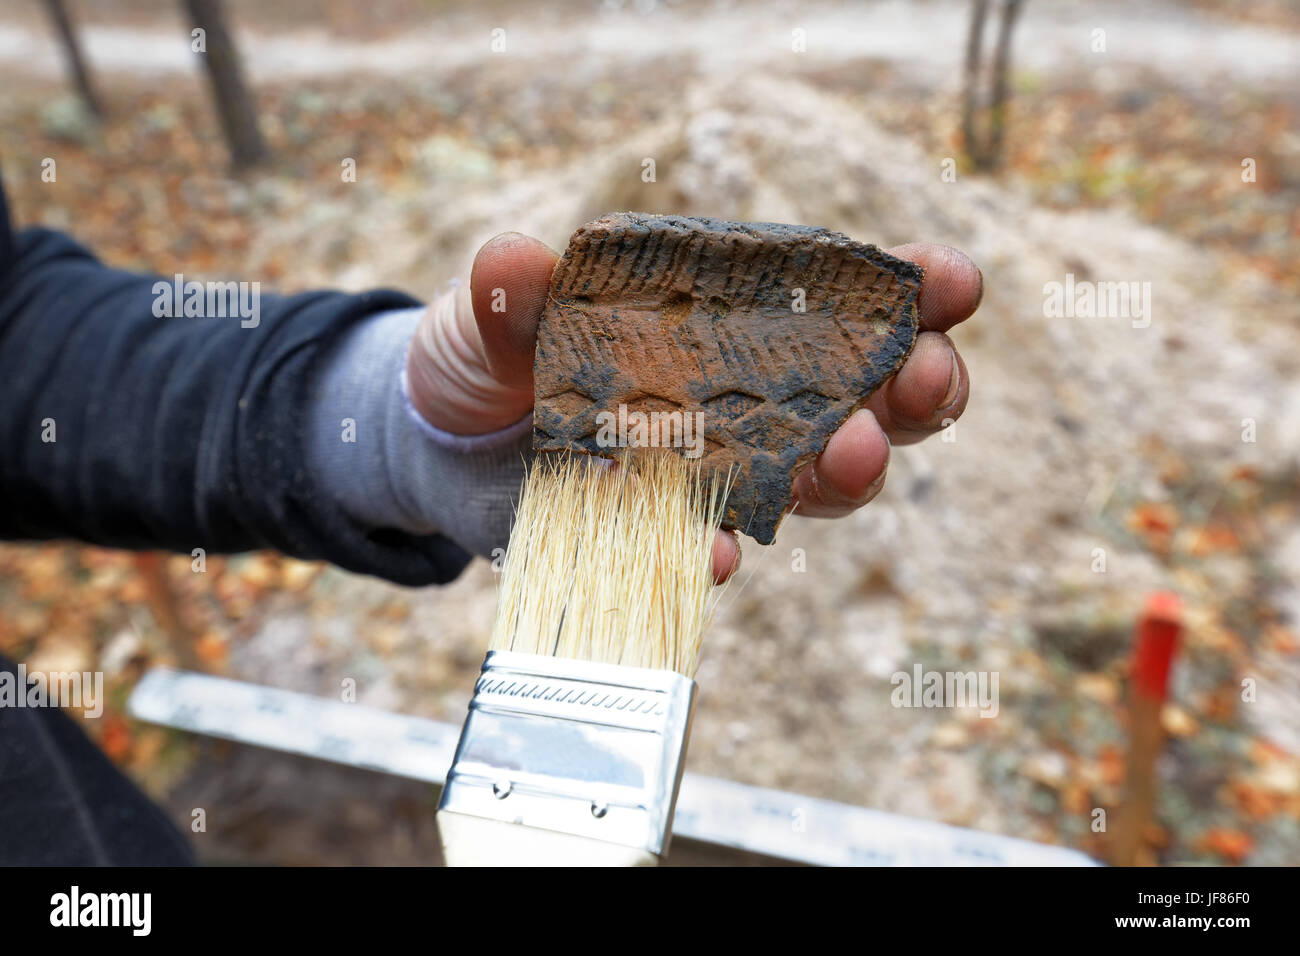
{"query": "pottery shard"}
[(766, 336)]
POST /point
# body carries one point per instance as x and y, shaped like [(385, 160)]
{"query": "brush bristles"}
[(612, 564)]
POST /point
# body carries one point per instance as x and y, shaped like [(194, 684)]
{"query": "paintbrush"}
[(574, 745)]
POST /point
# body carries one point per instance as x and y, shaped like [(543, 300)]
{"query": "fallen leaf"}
[(115, 737), (950, 735), (1101, 688), (211, 648), (1256, 802), (1233, 845), (1177, 722), (1154, 522), (1213, 538)]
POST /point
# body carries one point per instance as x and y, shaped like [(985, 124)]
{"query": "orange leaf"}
[(1256, 803), (115, 738), (1155, 523), (211, 648), (1232, 845), (1214, 537), (1112, 764)]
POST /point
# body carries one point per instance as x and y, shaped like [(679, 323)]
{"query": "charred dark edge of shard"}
[(760, 499)]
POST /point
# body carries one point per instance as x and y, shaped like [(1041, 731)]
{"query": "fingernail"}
[(954, 382)]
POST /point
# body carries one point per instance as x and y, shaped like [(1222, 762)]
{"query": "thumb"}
[(508, 286), (470, 368)]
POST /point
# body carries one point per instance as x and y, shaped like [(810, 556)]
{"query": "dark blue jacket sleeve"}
[(172, 433)]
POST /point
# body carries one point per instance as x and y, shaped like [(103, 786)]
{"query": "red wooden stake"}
[(1156, 643)]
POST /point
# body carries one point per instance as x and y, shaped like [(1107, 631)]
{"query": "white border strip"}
[(755, 819)]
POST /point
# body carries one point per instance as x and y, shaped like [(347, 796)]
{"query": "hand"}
[(471, 371)]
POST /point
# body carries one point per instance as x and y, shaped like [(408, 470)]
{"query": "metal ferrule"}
[(565, 761)]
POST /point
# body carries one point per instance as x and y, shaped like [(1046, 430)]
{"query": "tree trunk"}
[(234, 101), (974, 52), (1001, 65), (72, 50), (985, 151)]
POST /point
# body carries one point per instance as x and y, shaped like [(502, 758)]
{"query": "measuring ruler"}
[(720, 812)]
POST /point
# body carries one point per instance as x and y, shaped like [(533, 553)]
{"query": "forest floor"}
[(1100, 459)]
